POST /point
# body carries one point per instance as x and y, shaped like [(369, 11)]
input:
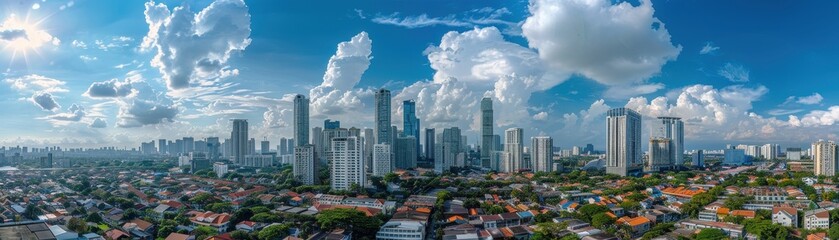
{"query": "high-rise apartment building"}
[(487, 145), (825, 157), (213, 148), (381, 160), (346, 157), (369, 141), (301, 120), (659, 157), (623, 142), (447, 149), (674, 129), (304, 166), (264, 146), (513, 150), (189, 145), (542, 154)]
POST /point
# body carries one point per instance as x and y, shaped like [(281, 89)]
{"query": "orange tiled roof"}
[(743, 213)]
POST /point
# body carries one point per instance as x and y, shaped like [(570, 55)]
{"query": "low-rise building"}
[(786, 216), (815, 219)]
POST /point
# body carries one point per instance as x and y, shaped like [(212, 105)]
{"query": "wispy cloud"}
[(734, 72), (816, 98), (708, 48), (486, 16)]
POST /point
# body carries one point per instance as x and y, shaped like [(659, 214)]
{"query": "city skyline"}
[(71, 86)]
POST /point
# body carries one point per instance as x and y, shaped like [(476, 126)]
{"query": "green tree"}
[(391, 177), (601, 220), (587, 211), (351, 219), (203, 232), (274, 232), (266, 217), (833, 233), (711, 234), (77, 225), (94, 218), (443, 196)]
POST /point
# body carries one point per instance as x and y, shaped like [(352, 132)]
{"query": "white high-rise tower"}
[(623, 142)]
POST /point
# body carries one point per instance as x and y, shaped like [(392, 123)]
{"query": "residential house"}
[(786, 216), (815, 219), (220, 221), (639, 225), (733, 230)]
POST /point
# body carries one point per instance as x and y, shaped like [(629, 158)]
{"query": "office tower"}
[(251, 146), (698, 159), (189, 145), (239, 140), (825, 157), (304, 166), (329, 124), (575, 151), (406, 153), (346, 157), (382, 117), (623, 142), (429, 145), (447, 149), (264, 146), (283, 148), (394, 132), (301, 120), (213, 146), (589, 149), (411, 124), (497, 146), (161, 146), (317, 141), (674, 129), (487, 144), (381, 160), (513, 149), (659, 157), (369, 141), (542, 154)]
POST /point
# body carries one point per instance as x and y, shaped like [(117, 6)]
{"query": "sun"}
[(21, 37)]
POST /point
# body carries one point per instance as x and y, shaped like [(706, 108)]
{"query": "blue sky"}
[(92, 73)]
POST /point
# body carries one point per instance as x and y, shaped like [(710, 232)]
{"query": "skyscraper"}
[(429, 145), (251, 146), (301, 120), (623, 142), (347, 163), (825, 157), (317, 141), (487, 145), (447, 149), (239, 140), (382, 117), (513, 149), (369, 141), (406, 152), (304, 166), (674, 129), (542, 154), (381, 160), (189, 145), (411, 124)]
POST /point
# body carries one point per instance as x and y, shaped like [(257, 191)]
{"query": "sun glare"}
[(21, 37)]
